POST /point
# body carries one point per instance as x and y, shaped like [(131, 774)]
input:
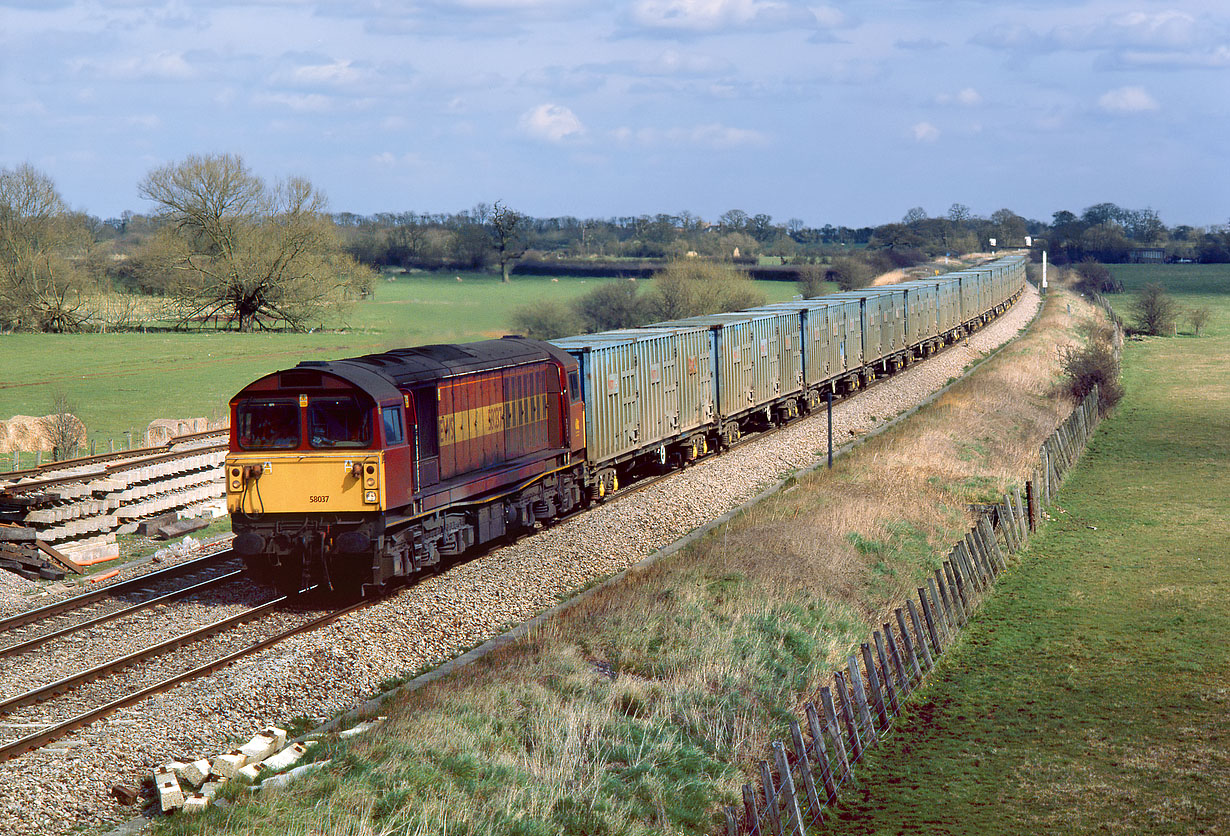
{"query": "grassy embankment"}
[(1092, 693), (643, 709), (121, 382)]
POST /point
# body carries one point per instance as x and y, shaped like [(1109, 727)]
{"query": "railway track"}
[(85, 693), (26, 630)]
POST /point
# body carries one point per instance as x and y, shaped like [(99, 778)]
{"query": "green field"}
[(1191, 285), (1092, 694), (121, 382)]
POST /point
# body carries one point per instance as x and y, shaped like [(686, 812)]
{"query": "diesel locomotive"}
[(360, 472)]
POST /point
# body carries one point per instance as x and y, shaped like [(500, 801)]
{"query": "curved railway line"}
[(63, 709)]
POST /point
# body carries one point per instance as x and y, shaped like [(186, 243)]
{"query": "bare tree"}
[(63, 429), (251, 254), (1154, 310), (509, 226), (1198, 318), (41, 287)]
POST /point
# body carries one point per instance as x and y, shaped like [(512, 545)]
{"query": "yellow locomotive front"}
[(305, 477)]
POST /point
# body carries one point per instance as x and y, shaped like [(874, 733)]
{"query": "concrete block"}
[(195, 803), (194, 774), (210, 788), (252, 771), (287, 756), (365, 726), (229, 763), (170, 796), (262, 745), (287, 778)]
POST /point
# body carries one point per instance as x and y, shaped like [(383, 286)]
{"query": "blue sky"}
[(841, 112)]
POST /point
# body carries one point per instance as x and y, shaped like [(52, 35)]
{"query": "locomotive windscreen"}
[(339, 422), (268, 424)]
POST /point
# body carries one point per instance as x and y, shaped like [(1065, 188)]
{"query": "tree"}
[(690, 287), (1154, 310), (41, 287), (63, 429), (914, 216), (1198, 318), (250, 253), (612, 305), (959, 213), (509, 226)]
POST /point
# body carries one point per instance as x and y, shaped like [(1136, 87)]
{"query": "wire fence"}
[(859, 708)]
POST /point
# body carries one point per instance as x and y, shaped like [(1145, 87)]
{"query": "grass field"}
[(121, 382), (1092, 694), (1191, 285)]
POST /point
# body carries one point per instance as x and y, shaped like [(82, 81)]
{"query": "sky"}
[(845, 113)]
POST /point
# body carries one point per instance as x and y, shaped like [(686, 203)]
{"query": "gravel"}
[(53, 791)]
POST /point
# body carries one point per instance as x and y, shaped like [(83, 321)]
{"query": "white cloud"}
[(339, 73), (299, 102), (715, 15), (161, 66), (969, 97), (1127, 100), (711, 135), (924, 132), (551, 122)]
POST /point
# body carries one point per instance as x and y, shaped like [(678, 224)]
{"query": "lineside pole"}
[(830, 394)]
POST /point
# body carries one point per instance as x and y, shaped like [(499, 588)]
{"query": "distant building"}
[(1147, 255)]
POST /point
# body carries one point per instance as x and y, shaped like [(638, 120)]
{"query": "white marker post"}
[(1044, 271)]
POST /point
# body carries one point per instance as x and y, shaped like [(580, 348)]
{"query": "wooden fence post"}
[(750, 812), (1007, 527), (794, 819), (821, 753), (946, 596), (770, 799), (936, 645), (1021, 515), (988, 534), (873, 683), (809, 782), (978, 553), (860, 701), (911, 657), (973, 571), (954, 589), (920, 634), (937, 611), (882, 655), (834, 730), (847, 715)]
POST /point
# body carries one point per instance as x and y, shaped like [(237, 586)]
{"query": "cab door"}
[(398, 453)]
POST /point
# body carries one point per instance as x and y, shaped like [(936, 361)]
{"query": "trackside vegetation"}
[(643, 709), (1091, 693)]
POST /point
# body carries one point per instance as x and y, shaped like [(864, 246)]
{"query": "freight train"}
[(357, 473)]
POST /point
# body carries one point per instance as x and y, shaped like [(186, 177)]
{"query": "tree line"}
[(224, 246)]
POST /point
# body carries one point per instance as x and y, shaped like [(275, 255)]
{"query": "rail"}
[(52, 733)]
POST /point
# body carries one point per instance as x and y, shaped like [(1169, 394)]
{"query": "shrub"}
[(851, 273), (1096, 278), (1093, 364), (1198, 318), (813, 279), (547, 320), (1154, 310), (612, 305)]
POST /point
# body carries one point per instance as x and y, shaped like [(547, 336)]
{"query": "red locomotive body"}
[(364, 470)]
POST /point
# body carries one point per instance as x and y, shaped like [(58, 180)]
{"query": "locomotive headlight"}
[(371, 497)]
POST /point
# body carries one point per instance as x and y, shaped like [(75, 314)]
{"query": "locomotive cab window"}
[(268, 424), (338, 422), (574, 386), (393, 433)]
